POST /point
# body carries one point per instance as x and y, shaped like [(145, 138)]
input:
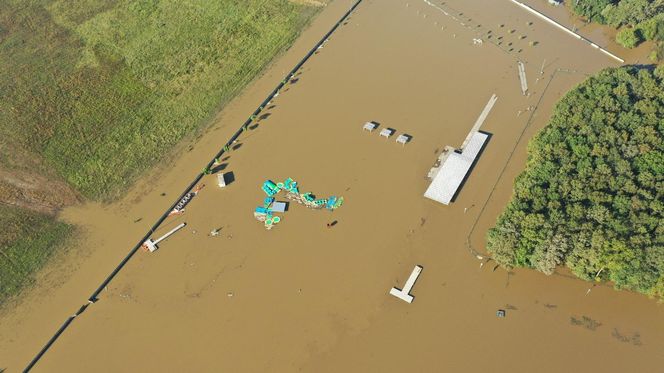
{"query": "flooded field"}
[(306, 297)]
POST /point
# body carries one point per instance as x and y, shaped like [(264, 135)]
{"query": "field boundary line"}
[(561, 27), (469, 245)]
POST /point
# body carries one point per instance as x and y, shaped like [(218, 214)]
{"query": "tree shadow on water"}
[(218, 168)]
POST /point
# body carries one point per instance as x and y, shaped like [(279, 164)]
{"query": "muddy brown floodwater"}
[(306, 298)]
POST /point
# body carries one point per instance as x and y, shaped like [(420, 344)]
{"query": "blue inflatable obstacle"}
[(291, 186), (308, 197), (288, 184), (270, 188), (265, 213), (320, 202), (331, 202), (262, 211)]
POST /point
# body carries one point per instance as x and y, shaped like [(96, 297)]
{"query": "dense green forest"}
[(638, 20), (592, 194)]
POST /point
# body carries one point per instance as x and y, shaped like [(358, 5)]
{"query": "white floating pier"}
[(404, 294), (152, 245), (480, 120), (522, 78)]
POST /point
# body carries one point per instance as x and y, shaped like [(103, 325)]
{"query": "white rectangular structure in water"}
[(447, 180), (386, 132), (221, 180), (151, 245), (278, 207), (522, 78), (369, 126), (404, 294)]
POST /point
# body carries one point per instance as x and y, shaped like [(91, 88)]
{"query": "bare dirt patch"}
[(309, 2), (36, 192)]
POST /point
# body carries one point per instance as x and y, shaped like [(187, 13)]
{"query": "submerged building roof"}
[(449, 177)]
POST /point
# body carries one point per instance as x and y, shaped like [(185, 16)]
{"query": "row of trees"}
[(638, 20), (592, 194)]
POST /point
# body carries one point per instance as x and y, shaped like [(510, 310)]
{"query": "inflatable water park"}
[(266, 212)]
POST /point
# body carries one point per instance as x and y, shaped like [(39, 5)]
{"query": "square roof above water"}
[(448, 179)]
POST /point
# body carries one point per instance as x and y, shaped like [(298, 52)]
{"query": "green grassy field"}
[(102, 89), (27, 240), (98, 91)]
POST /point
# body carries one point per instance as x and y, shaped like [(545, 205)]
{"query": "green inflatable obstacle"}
[(265, 213)]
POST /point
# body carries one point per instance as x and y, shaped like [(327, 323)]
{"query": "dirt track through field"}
[(303, 296)]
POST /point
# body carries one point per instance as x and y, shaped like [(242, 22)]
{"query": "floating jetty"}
[(522, 78), (404, 294), (151, 245)]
